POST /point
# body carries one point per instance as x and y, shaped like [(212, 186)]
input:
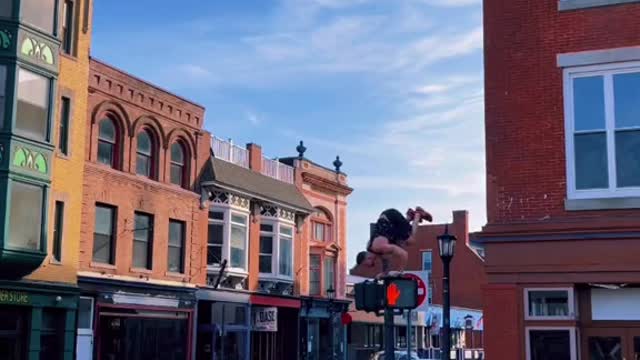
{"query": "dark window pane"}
[(32, 113), (265, 264), (142, 241), (238, 246), (39, 13), (266, 244), (628, 158), (176, 246), (216, 215), (63, 130), (103, 241), (144, 143), (550, 344), (143, 165), (107, 130), (6, 8), (548, 303), (605, 348), (52, 334), (314, 274), (329, 273), (215, 233), (3, 90), (177, 154), (266, 227), (25, 216), (67, 27), (105, 153), (176, 174), (214, 255), (591, 161), (58, 230), (588, 103), (626, 90)]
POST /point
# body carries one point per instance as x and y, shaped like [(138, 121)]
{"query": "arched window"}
[(321, 226), (178, 164), (146, 154), (108, 147)]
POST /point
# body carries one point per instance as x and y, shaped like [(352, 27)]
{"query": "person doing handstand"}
[(391, 234)]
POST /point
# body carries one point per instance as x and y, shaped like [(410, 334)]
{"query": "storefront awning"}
[(274, 301)]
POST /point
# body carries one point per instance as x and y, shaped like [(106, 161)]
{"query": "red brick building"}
[(467, 281), (562, 85), (141, 250)]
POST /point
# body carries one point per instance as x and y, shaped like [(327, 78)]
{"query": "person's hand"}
[(423, 214), (410, 214)]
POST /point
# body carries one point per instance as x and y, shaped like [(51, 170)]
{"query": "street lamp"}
[(446, 246), (331, 294)]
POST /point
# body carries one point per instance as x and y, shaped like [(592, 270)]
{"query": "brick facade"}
[(532, 239), (137, 105)]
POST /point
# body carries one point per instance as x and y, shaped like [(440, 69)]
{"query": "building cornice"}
[(326, 184)]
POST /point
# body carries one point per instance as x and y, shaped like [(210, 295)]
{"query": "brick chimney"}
[(255, 157), (461, 221)]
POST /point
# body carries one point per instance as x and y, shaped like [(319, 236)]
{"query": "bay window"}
[(603, 130), (32, 111), (25, 217), (39, 13), (228, 239)]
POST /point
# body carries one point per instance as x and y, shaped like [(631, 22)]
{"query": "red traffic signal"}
[(401, 293)]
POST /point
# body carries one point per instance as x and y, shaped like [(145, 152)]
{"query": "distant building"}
[(467, 282)]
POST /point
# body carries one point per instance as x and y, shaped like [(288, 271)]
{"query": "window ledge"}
[(602, 204), (141, 270), (175, 275), (565, 5), (68, 56), (275, 278), (102, 266)]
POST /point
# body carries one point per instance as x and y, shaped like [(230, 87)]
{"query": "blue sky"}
[(394, 87)]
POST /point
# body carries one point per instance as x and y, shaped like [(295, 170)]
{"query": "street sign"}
[(265, 319), (422, 288), (401, 293)]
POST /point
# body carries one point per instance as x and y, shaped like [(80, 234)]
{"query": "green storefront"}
[(37, 319)]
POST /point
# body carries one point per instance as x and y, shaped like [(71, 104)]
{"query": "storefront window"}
[(52, 334), (32, 113), (13, 333), (6, 8), (556, 344), (26, 216), (39, 13)]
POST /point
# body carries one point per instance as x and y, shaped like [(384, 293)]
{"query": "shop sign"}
[(14, 297), (265, 319)]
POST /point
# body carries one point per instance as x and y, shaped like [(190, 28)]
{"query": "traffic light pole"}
[(389, 340)]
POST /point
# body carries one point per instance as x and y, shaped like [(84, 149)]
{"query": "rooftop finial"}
[(337, 163), (301, 149)]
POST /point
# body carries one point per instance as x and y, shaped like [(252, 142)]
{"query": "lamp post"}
[(331, 294), (446, 246)]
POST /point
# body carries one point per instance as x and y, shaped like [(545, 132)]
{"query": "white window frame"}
[(570, 300), (274, 242), (572, 338), (429, 273), (226, 242), (217, 222), (275, 257), (607, 71)]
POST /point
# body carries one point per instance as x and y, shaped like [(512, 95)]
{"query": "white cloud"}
[(253, 118), (451, 3)]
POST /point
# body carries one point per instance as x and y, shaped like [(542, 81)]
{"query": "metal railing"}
[(227, 151), (277, 170)]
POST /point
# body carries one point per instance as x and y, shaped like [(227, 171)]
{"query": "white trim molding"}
[(572, 338), (571, 304), (596, 57), (565, 5)]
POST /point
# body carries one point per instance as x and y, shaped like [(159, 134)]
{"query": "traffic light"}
[(369, 296), (401, 293)]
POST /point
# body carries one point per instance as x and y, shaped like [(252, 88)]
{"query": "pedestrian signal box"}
[(392, 293), (401, 293)]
